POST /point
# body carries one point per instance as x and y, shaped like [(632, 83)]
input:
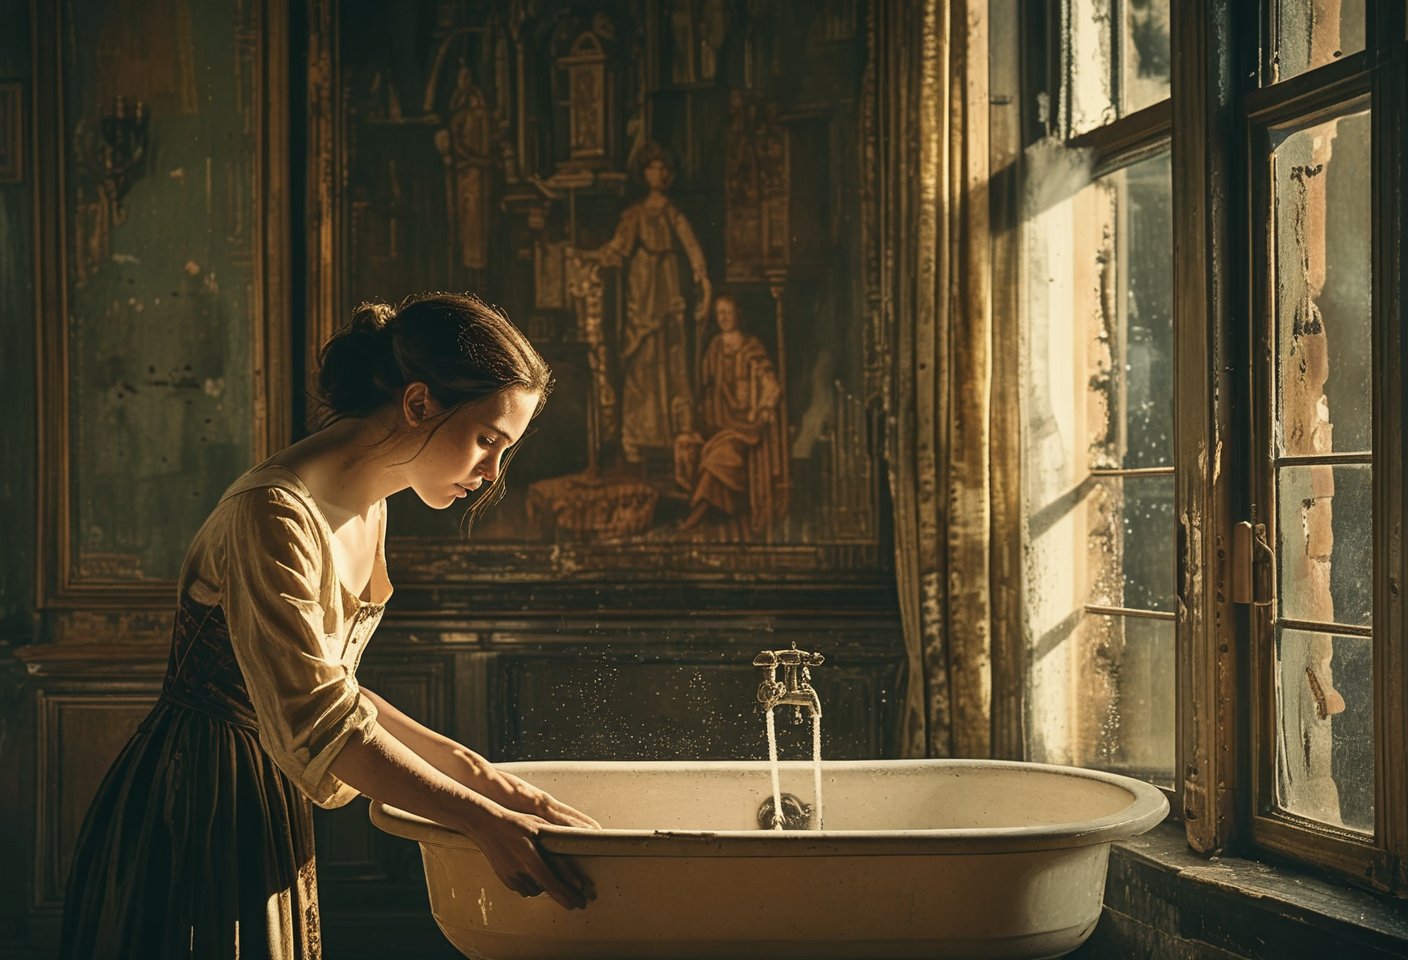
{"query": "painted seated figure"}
[(732, 463)]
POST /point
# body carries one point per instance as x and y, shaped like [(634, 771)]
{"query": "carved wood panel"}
[(79, 733), (591, 708), (683, 695)]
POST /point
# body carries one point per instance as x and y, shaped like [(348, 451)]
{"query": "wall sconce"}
[(111, 152), (114, 156)]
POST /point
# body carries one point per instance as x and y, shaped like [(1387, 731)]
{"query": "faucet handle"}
[(770, 692), (799, 658), (788, 658)]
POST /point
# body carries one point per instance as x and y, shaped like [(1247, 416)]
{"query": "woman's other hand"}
[(509, 841), (706, 297)]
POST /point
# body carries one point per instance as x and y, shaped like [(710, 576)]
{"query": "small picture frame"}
[(11, 132)]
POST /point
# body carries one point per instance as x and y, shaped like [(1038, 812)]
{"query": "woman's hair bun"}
[(372, 316), (358, 371)]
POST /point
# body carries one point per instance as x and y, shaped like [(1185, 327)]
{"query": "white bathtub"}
[(918, 858)]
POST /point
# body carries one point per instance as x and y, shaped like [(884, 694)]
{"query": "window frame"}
[(1278, 830), (1217, 98), (1315, 94), (1034, 37)]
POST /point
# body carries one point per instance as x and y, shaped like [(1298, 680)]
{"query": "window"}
[(1314, 449), (1097, 390), (1322, 219), (1210, 263)]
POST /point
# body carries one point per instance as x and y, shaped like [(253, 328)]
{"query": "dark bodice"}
[(202, 673)]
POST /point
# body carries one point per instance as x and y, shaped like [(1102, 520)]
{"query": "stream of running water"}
[(773, 768)]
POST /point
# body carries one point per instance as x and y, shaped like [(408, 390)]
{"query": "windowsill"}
[(1160, 893)]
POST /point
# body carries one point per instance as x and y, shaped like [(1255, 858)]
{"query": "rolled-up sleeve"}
[(306, 700)]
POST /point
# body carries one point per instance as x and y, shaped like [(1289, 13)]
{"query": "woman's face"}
[(468, 449), (726, 313), (657, 175)]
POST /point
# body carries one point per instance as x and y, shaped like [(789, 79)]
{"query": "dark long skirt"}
[(196, 845)]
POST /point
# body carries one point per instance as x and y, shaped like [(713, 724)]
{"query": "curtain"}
[(937, 295)]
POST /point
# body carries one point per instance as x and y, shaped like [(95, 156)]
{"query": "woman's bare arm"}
[(463, 765), (379, 765)]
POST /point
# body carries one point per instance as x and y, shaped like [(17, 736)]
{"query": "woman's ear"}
[(418, 405)]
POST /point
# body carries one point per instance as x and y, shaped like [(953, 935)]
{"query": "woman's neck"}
[(349, 466)]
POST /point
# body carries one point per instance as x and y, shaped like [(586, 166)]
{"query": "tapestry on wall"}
[(667, 197)]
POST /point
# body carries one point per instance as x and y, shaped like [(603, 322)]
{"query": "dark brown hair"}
[(650, 153), (460, 347)]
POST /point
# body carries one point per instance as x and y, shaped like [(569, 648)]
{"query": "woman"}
[(739, 471), (200, 839), (656, 346)]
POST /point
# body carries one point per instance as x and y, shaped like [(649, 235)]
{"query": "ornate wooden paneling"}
[(17, 440), (162, 290), (665, 693), (80, 731), (604, 707)]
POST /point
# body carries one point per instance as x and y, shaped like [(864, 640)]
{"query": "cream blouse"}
[(264, 555)]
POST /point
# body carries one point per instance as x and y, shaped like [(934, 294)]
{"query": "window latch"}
[(1253, 566)]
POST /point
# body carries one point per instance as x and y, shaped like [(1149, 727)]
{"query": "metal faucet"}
[(795, 688)]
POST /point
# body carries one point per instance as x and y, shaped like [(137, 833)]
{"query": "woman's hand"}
[(706, 297), (384, 768), (525, 798), (468, 768), (556, 812), (509, 841)]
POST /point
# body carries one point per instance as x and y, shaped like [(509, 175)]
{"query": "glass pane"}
[(1131, 553), (1097, 393), (1147, 369), (1102, 694), (1325, 543), (1325, 728), (1089, 50), (1321, 241), (1312, 33), (1144, 54), (1118, 51), (1131, 316), (1098, 337)]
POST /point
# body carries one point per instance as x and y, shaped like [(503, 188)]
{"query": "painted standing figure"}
[(656, 346), (737, 472), (199, 842)]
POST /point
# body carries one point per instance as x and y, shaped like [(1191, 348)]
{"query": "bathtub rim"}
[(1147, 808)]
